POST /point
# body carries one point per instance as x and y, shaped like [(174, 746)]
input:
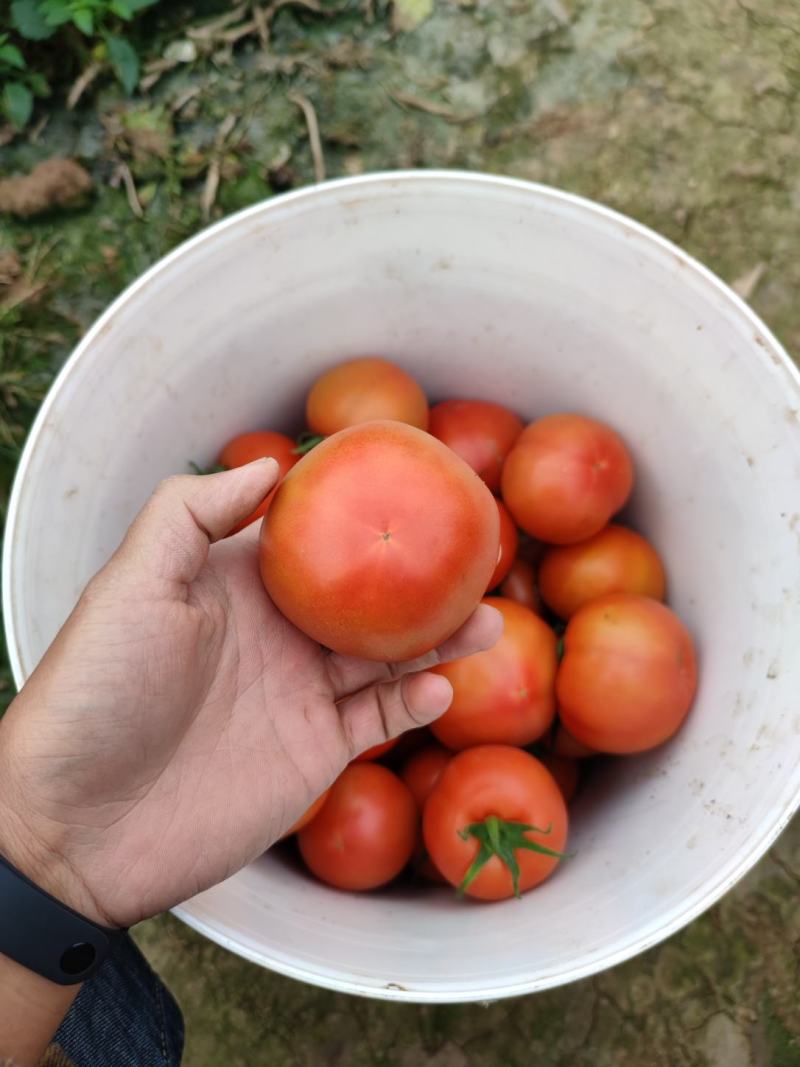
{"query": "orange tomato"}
[(628, 676), (509, 542), (506, 694), (308, 814), (365, 833), (616, 560), (247, 448), (519, 585), (380, 542), (565, 477), (362, 390), (566, 772), (480, 432), (378, 750)]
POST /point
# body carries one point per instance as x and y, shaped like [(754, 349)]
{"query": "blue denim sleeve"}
[(122, 1017)]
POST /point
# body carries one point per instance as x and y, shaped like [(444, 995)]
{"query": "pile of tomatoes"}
[(591, 661)]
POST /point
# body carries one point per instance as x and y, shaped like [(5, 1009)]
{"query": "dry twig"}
[(81, 84), (314, 141)]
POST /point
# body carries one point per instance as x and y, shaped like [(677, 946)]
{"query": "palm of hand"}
[(179, 723)]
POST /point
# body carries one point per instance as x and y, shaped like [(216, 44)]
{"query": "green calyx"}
[(498, 837), (307, 441)]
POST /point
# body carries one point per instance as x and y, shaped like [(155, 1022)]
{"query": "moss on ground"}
[(683, 115)]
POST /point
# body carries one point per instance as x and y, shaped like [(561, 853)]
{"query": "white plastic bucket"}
[(500, 289)]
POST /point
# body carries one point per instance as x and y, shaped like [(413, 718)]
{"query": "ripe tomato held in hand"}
[(495, 801), (421, 772), (616, 560), (380, 542), (628, 676), (509, 542), (480, 432), (565, 477), (308, 814), (520, 586), (247, 448), (378, 750), (365, 833), (363, 390), (505, 695)]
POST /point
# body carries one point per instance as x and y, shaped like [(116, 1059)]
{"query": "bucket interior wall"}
[(542, 302)]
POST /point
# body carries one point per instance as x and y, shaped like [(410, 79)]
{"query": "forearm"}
[(31, 1010)]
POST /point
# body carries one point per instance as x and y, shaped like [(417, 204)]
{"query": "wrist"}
[(41, 854)]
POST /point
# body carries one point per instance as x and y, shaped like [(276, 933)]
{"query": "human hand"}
[(179, 724)]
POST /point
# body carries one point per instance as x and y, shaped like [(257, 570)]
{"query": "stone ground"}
[(682, 114)]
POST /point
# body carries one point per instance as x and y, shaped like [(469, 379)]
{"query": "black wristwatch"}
[(45, 935)]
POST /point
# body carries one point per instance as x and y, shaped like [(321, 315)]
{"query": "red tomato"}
[(504, 801), (378, 750), (380, 542), (509, 542), (247, 448), (366, 832), (616, 560), (566, 746), (421, 772), (565, 477), (519, 585), (628, 676), (480, 432), (566, 772), (362, 390), (308, 814), (505, 695)]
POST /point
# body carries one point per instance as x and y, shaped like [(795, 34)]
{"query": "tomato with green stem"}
[(496, 822), (365, 833)]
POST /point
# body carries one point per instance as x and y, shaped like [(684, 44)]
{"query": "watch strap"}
[(46, 936)]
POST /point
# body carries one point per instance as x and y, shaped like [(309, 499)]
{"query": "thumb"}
[(171, 535), (386, 709)]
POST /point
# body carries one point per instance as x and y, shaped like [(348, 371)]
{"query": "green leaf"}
[(38, 83), (122, 9), (56, 12), (140, 5), (12, 55), (306, 441), (124, 61), (17, 103), (28, 20), (84, 20)]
